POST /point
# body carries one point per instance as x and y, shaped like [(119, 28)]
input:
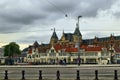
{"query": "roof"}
[(74, 49), (36, 44), (66, 49), (58, 47), (77, 31), (71, 50), (43, 48), (117, 49), (103, 39), (54, 35), (25, 49), (91, 48), (87, 41)]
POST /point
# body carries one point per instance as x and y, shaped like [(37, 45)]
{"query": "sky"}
[(27, 21)]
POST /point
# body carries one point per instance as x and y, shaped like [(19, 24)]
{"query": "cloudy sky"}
[(26, 21)]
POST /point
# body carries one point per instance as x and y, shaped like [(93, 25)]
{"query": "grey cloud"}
[(79, 7), (21, 16), (13, 17), (9, 28), (92, 34), (60, 6), (16, 15), (90, 8), (32, 38), (117, 14)]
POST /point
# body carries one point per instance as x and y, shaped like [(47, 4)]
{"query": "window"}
[(29, 56), (52, 53), (62, 54), (33, 56), (96, 54), (81, 54), (118, 55), (74, 54), (91, 54), (105, 54), (36, 55), (43, 54)]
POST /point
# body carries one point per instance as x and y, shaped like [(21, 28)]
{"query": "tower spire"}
[(54, 38), (77, 31), (54, 29), (63, 31)]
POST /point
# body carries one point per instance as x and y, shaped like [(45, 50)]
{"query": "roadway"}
[(69, 72)]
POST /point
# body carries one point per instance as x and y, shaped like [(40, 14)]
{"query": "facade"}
[(58, 54), (67, 38), (70, 47)]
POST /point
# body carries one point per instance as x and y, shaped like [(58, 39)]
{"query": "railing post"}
[(96, 74), (40, 75), (23, 75), (58, 75), (6, 75), (115, 75), (78, 75)]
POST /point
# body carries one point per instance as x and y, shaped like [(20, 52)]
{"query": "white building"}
[(56, 54)]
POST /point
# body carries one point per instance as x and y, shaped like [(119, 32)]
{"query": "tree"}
[(12, 49)]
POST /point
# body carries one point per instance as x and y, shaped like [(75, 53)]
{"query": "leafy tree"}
[(11, 49)]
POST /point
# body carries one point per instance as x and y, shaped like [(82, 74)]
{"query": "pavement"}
[(67, 66), (68, 72)]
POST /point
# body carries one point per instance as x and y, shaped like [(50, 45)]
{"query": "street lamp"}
[(79, 61), (111, 52)]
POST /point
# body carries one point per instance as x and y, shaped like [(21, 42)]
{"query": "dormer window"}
[(52, 51)]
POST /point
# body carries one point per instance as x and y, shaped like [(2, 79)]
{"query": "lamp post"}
[(79, 61), (111, 52)]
